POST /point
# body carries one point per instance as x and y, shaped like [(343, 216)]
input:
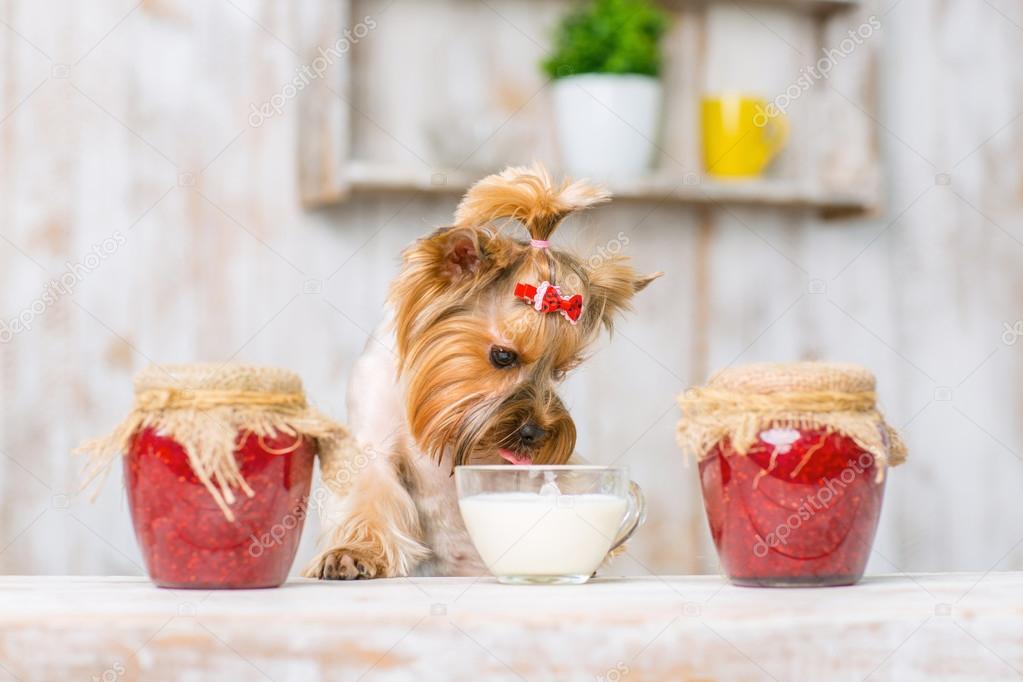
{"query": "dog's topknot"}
[(528, 195)]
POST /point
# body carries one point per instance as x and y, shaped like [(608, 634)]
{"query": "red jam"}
[(188, 542), (809, 519)]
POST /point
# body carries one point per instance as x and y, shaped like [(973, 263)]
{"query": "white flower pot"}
[(607, 124)]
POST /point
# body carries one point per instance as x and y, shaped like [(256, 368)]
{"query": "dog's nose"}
[(531, 434)]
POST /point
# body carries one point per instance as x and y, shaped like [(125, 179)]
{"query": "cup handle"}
[(634, 518), (776, 134)]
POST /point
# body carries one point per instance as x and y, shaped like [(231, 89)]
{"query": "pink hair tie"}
[(539, 243)]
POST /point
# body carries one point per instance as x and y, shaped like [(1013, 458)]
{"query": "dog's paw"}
[(342, 564)]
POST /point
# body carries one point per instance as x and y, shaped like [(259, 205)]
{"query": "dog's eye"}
[(560, 374), (502, 357)]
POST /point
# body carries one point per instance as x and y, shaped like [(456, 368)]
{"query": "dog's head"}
[(481, 359)]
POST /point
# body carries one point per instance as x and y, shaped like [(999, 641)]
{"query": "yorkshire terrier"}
[(484, 328)]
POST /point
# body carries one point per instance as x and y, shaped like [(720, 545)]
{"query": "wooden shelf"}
[(817, 6), (362, 177), (356, 135)]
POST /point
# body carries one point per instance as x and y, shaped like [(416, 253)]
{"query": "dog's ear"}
[(458, 256), (460, 253), (445, 266), (613, 283)]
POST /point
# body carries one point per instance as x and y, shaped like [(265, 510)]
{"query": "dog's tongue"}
[(515, 457)]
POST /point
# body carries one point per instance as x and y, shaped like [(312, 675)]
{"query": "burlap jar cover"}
[(738, 403), (209, 410)]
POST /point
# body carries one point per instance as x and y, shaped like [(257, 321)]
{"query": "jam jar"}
[(792, 462), (218, 463), (188, 541)]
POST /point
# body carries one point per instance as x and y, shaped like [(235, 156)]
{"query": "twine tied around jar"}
[(209, 410), (738, 403), (183, 398)]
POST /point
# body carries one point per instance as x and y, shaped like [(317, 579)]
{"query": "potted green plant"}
[(607, 92)]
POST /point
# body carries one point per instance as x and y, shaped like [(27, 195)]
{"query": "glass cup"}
[(547, 524)]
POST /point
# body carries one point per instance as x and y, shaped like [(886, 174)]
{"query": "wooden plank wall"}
[(135, 120)]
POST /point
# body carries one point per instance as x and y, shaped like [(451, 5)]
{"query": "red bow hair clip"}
[(547, 298)]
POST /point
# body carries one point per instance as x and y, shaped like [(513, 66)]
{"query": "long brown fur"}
[(453, 303)]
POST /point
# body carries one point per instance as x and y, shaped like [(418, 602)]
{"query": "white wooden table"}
[(905, 628)]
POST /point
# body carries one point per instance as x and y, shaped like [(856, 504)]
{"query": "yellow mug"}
[(741, 135)]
